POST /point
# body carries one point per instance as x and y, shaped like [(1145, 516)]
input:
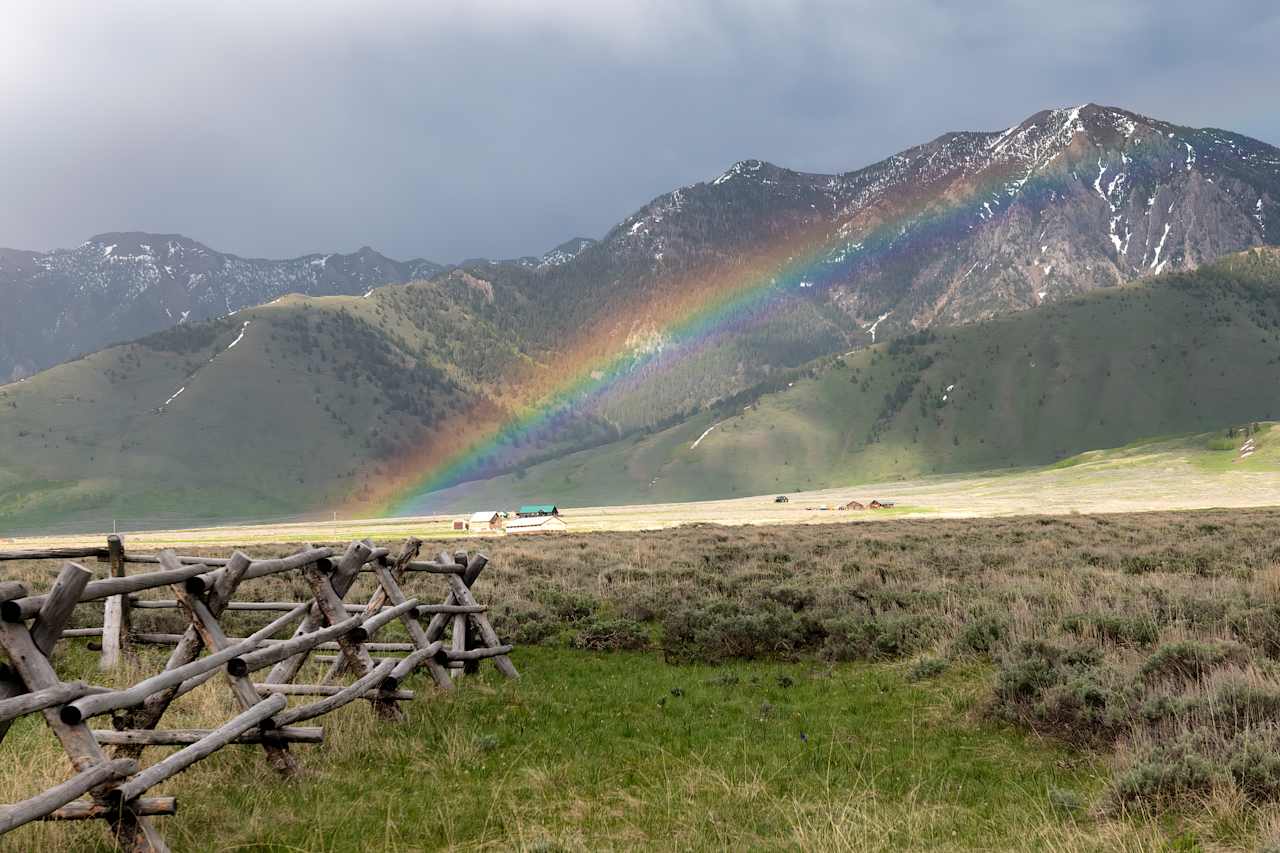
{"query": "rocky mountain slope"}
[(1192, 352), (115, 287), (963, 228)]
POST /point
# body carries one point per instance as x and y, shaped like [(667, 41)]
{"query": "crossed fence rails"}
[(203, 588)]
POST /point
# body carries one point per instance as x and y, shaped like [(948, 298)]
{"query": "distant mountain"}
[(967, 227), (1184, 353), (704, 298), (115, 287)]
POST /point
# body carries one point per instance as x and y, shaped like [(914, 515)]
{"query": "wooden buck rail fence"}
[(203, 588)]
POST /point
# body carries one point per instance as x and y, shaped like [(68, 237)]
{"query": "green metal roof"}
[(547, 508)]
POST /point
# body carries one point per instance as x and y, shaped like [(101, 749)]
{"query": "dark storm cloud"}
[(449, 130)]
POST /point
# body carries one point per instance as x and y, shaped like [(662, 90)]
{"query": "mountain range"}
[(718, 291)]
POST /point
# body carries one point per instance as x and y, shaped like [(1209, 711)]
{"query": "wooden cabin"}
[(489, 519)]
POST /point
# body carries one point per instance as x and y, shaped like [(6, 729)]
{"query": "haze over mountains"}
[(718, 289)]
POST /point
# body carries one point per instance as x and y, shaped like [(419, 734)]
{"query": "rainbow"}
[(695, 313)]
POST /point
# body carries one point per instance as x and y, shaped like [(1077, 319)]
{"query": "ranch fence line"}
[(204, 588)]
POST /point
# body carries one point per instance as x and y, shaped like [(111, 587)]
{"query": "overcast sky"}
[(499, 128)]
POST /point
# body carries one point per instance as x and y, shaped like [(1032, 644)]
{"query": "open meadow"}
[(1078, 682)]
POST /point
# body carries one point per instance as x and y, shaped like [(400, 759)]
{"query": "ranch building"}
[(537, 510), (489, 519), (536, 524)]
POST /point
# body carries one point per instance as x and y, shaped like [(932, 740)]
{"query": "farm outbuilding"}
[(878, 504), (459, 524), (537, 510), (536, 524), (854, 505), (489, 519)]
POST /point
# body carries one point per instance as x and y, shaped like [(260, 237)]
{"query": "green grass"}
[(1181, 356), (619, 750)]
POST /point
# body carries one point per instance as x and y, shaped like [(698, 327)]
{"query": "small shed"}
[(459, 524), (489, 519), (878, 504), (536, 524), (537, 510), (854, 505)]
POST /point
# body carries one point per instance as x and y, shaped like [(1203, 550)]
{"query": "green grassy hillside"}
[(1183, 354)]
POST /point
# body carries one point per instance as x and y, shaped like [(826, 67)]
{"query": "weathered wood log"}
[(458, 642), (374, 623), (360, 687), (348, 567), (214, 639), (184, 737), (56, 607), (275, 652), (478, 654), (53, 554), (13, 816), (275, 606), (148, 716), (431, 653), (436, 568), (203, 748), (490, 636), (29, 703), (133, 832), (91, 706), (173, 639), (390, 584), (358, 659), (262, 568), (9, 590), (89, 810), (330, 689), (21, 609), (72, 633), (115, 611)]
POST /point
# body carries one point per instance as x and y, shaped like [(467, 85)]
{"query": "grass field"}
[(1180, 472), (1082, 682)]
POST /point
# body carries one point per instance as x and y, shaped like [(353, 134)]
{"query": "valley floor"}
[(1156, 475)]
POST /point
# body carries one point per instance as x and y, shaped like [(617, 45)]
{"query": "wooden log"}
[(436, 568), (148, 716), (115, 611), (358, 659), (29, 703), (265, 689), (478, 654), (91, 706), (404, 608), (390, 584), (275, 652), (458, 641), (474, 567), (262, 568), (214, 639), (278, 606), (57, 606), (173, 639), (72, 633), (343, 576), (184, 737), (21, 609), (9, 590), (13, 816), (374, 678), (490, 636), (203, 748), (89, 810), (53, 554), (428, 654), (134, 833)]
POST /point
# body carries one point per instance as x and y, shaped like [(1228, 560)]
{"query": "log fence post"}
[(115, 611)]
